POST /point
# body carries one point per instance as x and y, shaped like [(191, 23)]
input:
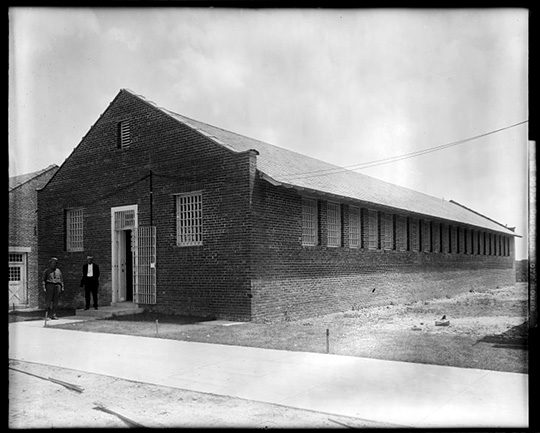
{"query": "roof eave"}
[(315, 192)]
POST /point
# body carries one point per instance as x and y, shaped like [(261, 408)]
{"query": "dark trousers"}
[(52, 293), (90, 289)]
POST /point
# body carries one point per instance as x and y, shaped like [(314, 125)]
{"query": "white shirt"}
[(90, 272)]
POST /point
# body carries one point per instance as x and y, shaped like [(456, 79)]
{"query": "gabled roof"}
[(294, 170), (21, 179)]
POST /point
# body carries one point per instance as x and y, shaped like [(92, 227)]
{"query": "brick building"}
[(22, 234), (189, 218)]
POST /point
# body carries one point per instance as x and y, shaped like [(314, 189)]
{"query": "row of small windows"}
[(367, 228), (377, 230)]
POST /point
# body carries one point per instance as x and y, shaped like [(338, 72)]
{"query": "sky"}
[(344, 86)]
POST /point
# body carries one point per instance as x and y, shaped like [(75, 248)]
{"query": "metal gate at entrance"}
[(144, 264), (133, 258)]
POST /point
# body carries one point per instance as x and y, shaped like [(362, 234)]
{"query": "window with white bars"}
[(387, 231), (14, 273), (124, 134), (334, 224), (373, 230), (124, 219), (74, 230), (354, 227), (310, 224), (15, 257), (189, 222)]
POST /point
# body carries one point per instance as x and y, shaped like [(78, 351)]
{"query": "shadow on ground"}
[(148, 316), (22, 315), (514, 338)]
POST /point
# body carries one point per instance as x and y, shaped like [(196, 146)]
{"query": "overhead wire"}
[(388, 160)]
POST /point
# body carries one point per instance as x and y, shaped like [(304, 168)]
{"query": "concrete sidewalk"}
[(405, 394)]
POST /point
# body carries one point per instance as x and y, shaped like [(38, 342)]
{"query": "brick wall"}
[(209, 280), (23, 226), (292, 281)]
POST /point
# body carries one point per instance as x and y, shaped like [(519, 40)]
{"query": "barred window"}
[(14, 273), (460, 240), (189, 221), (425, 231), (334, 224), (74, 230), (373, 230), (387, 231), (354, 227), (15, 257), (414, 234), (310, 223), (401, 240), (435, 237)]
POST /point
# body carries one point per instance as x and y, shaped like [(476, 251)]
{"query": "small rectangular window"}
[(387, 231), (354, 227), (373, 230), (14, 273), (334, 224), (414, 234), (310, 225), (401, 234), (189, 219), (124, 134), (426, 236), (435, 237), (74, 230), (15, 257)]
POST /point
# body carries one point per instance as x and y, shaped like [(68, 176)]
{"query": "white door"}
[(17, 294), (123, 221)]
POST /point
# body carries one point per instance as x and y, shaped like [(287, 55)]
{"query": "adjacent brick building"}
[(22, 233), (189, 218)]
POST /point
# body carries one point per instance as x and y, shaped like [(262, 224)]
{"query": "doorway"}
[(129, 267), (123, 224)]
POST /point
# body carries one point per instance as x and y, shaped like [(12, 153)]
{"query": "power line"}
[(388, 160)]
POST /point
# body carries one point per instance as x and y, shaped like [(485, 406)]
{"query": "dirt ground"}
[(38, 403), (486, 330)]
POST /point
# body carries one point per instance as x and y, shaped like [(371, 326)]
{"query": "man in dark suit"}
[(90, 282)]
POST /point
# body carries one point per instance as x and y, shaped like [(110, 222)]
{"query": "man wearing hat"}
[(53, 285), (90, 282)]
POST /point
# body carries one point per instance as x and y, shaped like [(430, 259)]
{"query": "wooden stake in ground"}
[(327, 340), (116, 412), (68, 385)]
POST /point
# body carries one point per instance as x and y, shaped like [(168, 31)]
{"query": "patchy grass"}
[(487, 331)]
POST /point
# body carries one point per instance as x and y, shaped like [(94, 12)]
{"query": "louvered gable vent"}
[(124, 134)]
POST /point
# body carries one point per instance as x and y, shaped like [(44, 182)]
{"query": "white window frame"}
[(189, 219), (333, 224), (75, 229), (310, 222), (354, 227)]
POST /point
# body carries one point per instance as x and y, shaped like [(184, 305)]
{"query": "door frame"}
[(118, 244)]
